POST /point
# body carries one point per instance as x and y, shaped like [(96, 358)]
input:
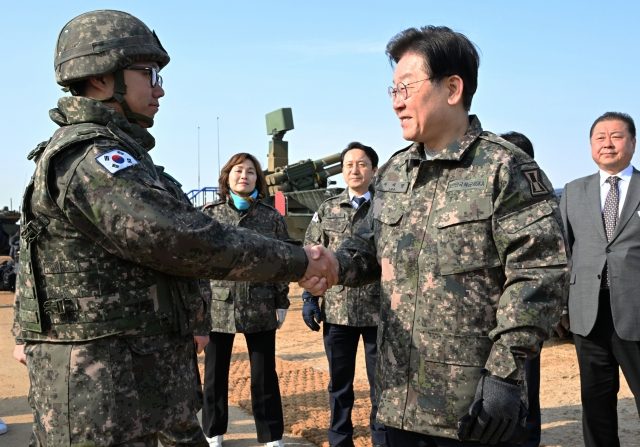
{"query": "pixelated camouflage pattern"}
[(337, 220), (243, 306), (103, 34), (113, 247), (114, 389), (202, 313), (111, 237), (185, 434), (473, 269)]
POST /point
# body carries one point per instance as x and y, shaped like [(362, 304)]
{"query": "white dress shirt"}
[(367, 195), (623, 186)]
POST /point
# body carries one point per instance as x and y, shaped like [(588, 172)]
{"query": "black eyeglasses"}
[(154, 76), (401, 88)]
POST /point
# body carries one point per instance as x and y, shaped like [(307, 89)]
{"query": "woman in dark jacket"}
[(253, 309)]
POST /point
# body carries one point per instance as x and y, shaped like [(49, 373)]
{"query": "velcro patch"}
[(393, 186), (535, 182), (464, 185), (116, 160)]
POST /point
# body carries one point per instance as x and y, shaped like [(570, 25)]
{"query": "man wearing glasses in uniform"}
[(465, 235)]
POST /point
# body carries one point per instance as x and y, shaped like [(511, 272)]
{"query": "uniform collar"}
[(79, 110), (455, 150), (367, 195), (346, 197)]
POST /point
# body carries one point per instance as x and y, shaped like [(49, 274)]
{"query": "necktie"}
[(359, 201), (610, 215)]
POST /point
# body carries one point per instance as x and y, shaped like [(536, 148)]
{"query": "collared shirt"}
[(352, 196), (623, 186)]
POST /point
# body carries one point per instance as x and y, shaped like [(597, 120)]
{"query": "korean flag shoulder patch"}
[(315, 218), (116, 160)]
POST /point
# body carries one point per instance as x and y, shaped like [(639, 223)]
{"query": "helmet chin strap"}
[(120, 89)]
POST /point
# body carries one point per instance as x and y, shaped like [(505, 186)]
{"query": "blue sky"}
[(548, 69)]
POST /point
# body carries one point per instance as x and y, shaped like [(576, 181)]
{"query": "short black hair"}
[(616, 116), (520, 140), (445, 52), (373, 156)]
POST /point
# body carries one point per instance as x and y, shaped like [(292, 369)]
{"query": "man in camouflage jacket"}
[(106, 306), (465, 234), (348, 313)]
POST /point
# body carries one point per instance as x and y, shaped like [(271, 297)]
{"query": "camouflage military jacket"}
[(471, 254), (336, 220), (175, 188), (242, 306), (105, 237)]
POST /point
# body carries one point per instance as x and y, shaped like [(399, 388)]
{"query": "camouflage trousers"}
[(185, 434), (115, 391)]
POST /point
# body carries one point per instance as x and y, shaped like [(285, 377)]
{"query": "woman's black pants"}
[(265, 391)]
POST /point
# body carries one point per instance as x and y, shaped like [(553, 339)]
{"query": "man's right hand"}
[(19, 355), (311, 311), (562, 328), (322, 272)]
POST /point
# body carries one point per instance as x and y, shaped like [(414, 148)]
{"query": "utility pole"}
[(218, 132)]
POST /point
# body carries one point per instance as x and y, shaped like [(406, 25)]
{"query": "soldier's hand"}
[(281, 314), (19, 355), (311, 311), (322, 272), (200, 341), (497, 414)]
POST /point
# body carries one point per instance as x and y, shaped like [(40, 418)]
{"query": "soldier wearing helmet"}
[(107, 307)]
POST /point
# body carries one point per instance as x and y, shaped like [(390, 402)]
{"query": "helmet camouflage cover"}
[(100, 42)]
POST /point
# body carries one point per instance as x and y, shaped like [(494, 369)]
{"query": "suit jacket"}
[(580, 208)]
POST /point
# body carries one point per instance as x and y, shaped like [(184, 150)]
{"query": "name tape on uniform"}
[(464, 185), (116, 160), (393, 186)]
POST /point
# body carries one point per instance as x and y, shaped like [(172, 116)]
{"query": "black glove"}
[(496, 415), (311, 311)]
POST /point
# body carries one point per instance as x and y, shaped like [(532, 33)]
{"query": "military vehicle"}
[(296, 190), (10, 220)]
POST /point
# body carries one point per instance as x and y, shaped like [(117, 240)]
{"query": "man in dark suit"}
[(601, 214)]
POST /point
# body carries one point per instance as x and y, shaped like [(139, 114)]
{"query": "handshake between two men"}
[(322, 271)]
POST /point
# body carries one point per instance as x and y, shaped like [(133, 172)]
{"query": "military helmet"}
[(100, 42)]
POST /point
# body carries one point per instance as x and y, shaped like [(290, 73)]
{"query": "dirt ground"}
[(302, 368)]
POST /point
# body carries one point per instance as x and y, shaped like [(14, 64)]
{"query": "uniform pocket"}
[(265, 230), (454, 349), (262, 293), (465, 236), (220, 293), (536, 235), (334, 225)]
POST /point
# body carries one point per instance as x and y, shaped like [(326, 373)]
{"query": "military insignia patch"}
[(116, 160), (315, 218), (535, 182)]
